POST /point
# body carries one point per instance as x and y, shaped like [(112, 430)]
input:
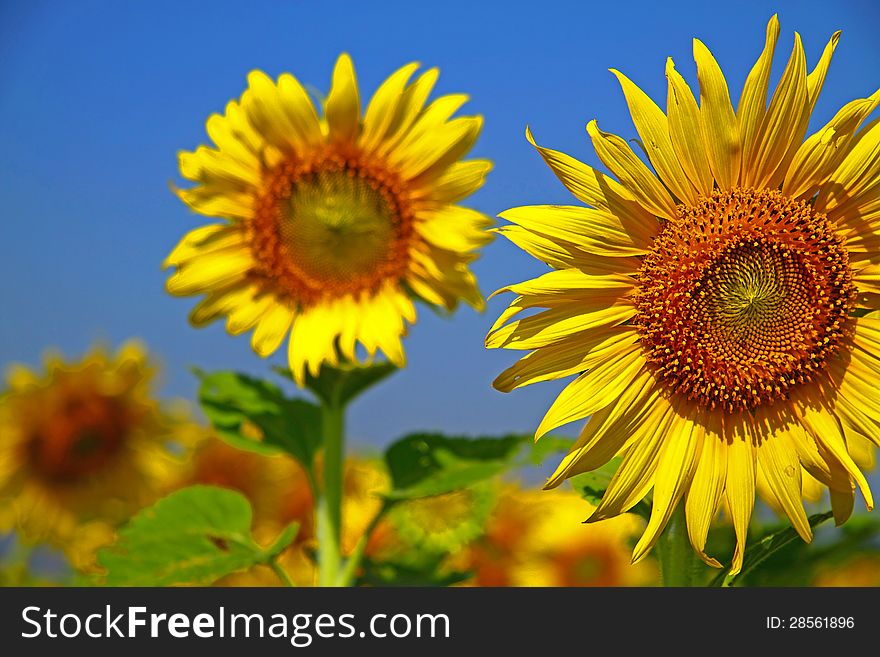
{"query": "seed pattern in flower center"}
[(742, 297), (329, 227)]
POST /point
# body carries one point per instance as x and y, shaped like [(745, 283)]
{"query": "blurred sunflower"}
[(715, 308), (529, 541), (331, 224), (82, 446), (863, 570)]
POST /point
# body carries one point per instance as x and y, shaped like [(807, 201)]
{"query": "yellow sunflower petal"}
[(855, 181), (383, 106), (816, 78), (653, 128), (740, 491), (781, 124), (635, 475), (593, 230), (593, 390), (753, 102), (616, 154), (820, 154), (454, 228), (719, 125), (827, 431), (677, 462), (609, 430), (604, 193), (565, 358), (284, 113), (460, 180), (343, 106), (705, 493), (411, 106), (209, 271), (271, 329), (778, 461), (685, 131), (556, 324)]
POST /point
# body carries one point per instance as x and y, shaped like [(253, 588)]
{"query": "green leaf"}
[(429, 572), (592, 486), (194, 536), (423, 465), (757, 553), (236, 403), (341, 384)]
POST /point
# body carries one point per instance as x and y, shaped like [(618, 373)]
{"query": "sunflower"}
[(719, 311), (333, 225), (83, 446), (528, 541)]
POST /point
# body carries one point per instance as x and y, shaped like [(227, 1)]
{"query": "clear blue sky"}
[(97, 97)]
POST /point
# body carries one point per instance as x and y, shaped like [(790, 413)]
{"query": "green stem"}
[(678, 565), (330, 500), (280, 572), (349, 571)]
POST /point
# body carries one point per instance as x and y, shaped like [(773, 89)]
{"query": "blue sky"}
[(97, 97)]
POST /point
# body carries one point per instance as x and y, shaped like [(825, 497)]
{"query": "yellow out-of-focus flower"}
[(718, 308), (332, 220), (860, 571), (83, 445), (538, 538)]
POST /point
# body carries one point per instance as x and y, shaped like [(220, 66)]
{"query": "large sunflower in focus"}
[(331, 224), (718, 309), (82, 447)]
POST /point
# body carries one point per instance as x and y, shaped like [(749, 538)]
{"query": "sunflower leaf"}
[(343, 383), (757, 553), (254, 415), (194, 536), (423, 464)]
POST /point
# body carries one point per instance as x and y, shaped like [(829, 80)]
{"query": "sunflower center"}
[(742, 297), (78, 439), (331, 227)]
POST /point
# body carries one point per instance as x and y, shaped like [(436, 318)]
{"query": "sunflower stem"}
[(329, 509), (280, 573), (678, 565)]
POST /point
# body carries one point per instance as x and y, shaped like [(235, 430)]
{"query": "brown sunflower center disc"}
[(78, 438), (330, 227), (742, 297)]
